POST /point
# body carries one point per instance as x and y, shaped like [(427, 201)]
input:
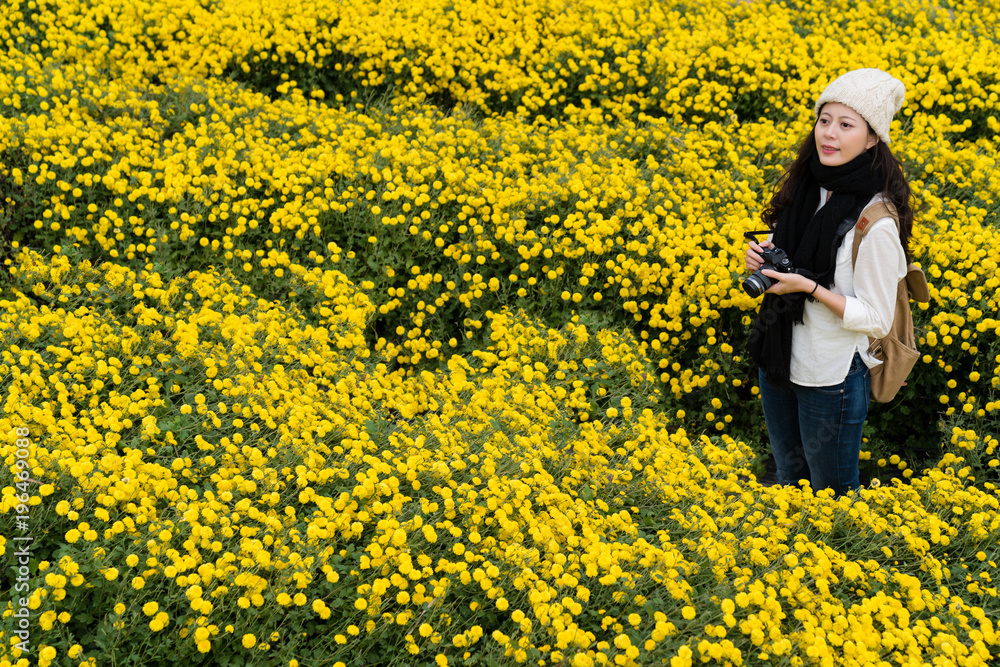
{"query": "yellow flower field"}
[(384, 333)]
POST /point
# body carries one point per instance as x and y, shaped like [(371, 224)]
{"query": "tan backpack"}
[(897, 349)]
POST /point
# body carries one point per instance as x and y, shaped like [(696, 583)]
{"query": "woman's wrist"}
[(815, 287)]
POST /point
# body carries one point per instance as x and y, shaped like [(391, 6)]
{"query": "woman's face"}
[(841, 134)]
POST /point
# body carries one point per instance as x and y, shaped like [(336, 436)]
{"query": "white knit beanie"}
[(874, 94)]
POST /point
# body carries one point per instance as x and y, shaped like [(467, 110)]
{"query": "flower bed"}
[(423, 343)]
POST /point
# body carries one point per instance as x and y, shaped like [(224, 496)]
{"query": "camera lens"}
[(756, 284)]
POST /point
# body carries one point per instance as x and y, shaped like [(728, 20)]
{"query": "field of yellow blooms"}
[(411, 333)]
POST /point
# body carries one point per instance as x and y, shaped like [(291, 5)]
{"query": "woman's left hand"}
[(788, 283)]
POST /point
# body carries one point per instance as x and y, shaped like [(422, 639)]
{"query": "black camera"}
[(775, 259)]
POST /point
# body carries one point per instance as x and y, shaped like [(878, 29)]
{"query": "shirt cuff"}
[(854, 314), (856, 318)]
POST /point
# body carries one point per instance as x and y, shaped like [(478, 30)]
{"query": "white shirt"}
[(823, 346)]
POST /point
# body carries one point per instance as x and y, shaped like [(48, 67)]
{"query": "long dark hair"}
[(896, 189)]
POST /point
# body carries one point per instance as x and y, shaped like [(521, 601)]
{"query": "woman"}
[(810, 339)]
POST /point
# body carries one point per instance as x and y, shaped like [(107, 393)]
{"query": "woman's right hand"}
[(754, 260)]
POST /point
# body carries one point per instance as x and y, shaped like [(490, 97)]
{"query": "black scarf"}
[(811, 239)]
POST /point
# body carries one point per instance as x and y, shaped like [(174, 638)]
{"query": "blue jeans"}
[(815, 432)]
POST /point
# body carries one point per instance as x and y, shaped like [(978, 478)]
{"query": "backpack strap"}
[(915, 281), (870, 214)]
